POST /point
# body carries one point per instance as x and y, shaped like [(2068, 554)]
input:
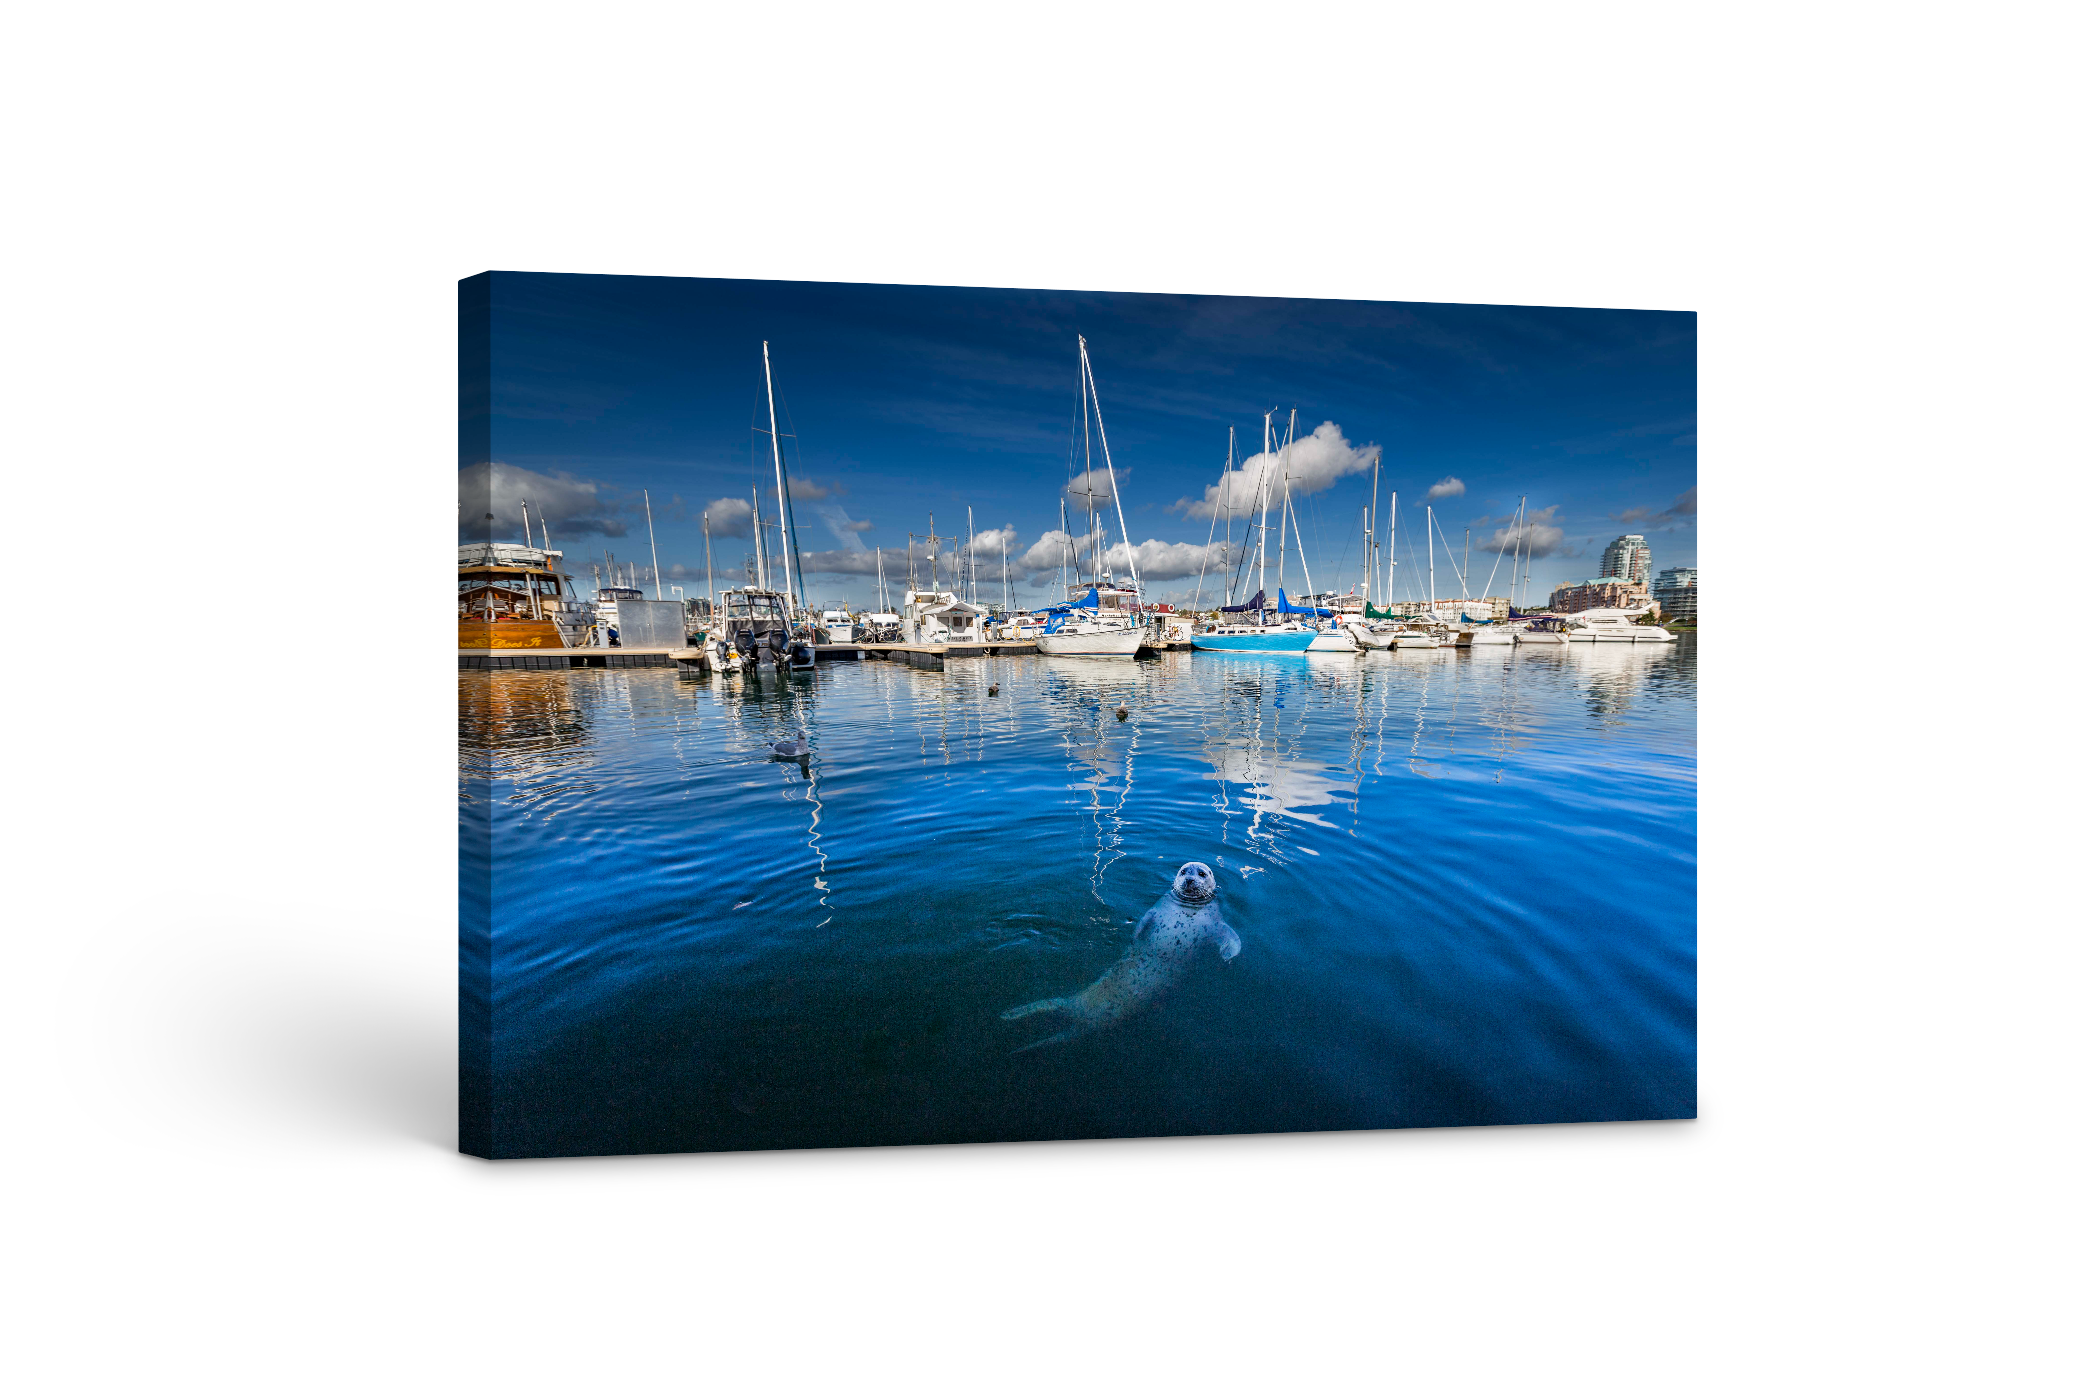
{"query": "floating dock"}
[(691, 659)]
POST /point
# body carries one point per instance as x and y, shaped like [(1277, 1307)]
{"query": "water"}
[(1465, 884)]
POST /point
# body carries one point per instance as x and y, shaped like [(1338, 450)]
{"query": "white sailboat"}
[(1082, 626)]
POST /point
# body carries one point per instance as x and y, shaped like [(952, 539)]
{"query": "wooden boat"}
[(508, 595)]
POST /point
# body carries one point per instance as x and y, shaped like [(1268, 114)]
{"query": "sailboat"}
[(1081, 626), (1287, 633)]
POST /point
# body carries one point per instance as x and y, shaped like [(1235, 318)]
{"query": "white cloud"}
[(1314, 464), (569, 506), (1159, 560), (801, 488), (1449, 486), (1047, 553), (729, 518), (986, 546), (843, 528), (1538, 534), (1100, 482)]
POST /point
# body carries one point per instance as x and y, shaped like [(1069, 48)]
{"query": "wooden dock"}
[(691, 660)]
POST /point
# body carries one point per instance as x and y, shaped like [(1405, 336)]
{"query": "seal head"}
[(1194, 884)]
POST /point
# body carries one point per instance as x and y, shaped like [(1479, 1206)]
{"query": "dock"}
[(690, 660)]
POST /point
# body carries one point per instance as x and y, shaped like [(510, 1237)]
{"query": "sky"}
[(900, 401)]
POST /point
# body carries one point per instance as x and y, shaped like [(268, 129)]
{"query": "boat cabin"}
[(958, 622), (510, 595)]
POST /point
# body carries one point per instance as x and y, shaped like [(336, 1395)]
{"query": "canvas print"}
[(901, 714)]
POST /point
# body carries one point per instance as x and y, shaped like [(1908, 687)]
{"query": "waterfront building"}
[(1599, 593), (1627, 557), (1480, 609), (1678, 592)]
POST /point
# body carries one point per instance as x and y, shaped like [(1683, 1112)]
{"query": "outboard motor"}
[(747, 644)]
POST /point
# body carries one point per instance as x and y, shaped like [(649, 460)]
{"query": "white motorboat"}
[(1613, 625), (1332, 639), (834, 625), (1543, 632)]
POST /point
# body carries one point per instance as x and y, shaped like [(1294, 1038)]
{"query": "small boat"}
[(1231, 636), (1542, 632), (834, 625), (756, 630)]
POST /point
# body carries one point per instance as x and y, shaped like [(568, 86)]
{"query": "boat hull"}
[(1255, 641), (1333, 641), (479, 634), (1541, 639), (1107, 645)]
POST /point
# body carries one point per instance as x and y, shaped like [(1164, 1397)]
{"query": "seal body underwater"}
[(1185, 923)]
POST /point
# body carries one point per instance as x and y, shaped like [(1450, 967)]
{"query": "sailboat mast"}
[(1392, 518), (707, 536), (1428, 524), (970, 526), (1114, 494), (1297, 531), (1267, 451), (779, 477), (654, 571), (1064, 527), (1371, 533), (758, 535), (1224, 485)]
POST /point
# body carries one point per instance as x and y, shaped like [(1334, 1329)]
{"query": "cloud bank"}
[(1314, 463), (1538, 534), (570, 507), (1683, 508)]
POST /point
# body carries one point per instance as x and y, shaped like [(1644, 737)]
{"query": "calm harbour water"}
[(1465, 885)]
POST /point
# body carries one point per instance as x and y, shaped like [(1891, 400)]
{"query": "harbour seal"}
[(1184, 922)]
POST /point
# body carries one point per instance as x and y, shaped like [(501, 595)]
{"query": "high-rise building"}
[(1626, 557), (1678, 591)]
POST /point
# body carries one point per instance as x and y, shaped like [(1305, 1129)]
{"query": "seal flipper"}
[(1048, 1040), (1036, 1008), (1228, 942)]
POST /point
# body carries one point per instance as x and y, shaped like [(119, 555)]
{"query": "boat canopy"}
[(1285, 605), (1254, 604)]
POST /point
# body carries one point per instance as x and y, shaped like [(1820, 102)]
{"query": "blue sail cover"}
[(1091, 600), (1285, 605), (1253, 604)]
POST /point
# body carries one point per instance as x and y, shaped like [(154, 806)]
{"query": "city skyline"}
[(898, 401)]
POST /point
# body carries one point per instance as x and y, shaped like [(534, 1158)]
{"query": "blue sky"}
[(907, 400)]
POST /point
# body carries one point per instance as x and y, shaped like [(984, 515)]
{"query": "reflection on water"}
[(1464, 881)]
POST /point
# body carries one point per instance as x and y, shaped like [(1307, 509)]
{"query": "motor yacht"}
[(1613, 625)]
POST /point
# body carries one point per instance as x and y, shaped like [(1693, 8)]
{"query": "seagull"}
[(797, 747)]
